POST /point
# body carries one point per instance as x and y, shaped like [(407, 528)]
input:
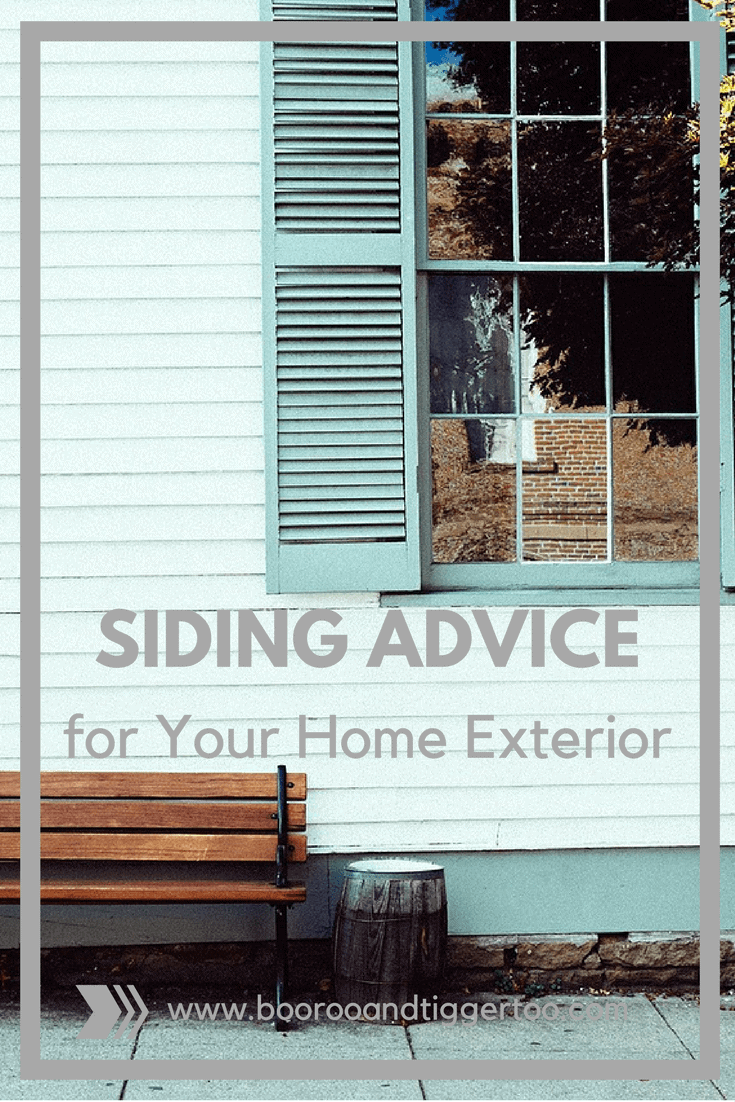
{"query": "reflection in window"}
[(557, 9), (565, 492), (652, 332), (562, 401), (655, 491), (471, 351), (560, 192), (473, 475), (469, 195), (463, 81), (651, 180), (558, 78), (643, 73), (563, 321), (628, 10)]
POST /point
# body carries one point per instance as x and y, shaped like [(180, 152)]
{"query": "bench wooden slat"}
[(10, 814), (9, 845), (167, 847), (9, 783), (170, 785), (158, 891), (9, 888), (154, 815)]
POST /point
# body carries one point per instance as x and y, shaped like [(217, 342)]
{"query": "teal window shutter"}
[(339, 309)]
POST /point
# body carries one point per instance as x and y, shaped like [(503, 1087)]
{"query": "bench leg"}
[(281, 962)]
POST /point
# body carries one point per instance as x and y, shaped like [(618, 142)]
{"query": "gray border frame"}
[(32, 1066)]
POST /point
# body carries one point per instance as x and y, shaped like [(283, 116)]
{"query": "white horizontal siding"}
[(147, 146), (136, 282), (151, 219), (176, 52), (13, 11), (9, 353), (164, 247), (200, 315), (172, 454), (107, 112), (335, 776), (148, 386), (229, 488), (192, 78), (134, 421), (407, 804), (188, 212), (90, 181), (178, 293), (9, 120), (109, 522)]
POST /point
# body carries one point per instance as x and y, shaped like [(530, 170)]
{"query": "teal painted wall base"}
[(567, 891), (542, 892)]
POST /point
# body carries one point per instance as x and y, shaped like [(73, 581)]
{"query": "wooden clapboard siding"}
[(153, 492), (9, 328), (151, 219), (403, 804)]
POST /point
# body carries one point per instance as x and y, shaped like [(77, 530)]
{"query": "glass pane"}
[(643, 73), (558, 78), (651, 187), (471, 350), (562, 346), (473, 478), (469, 190), (558, 9), (652, 343), (468, 9), (655, 490), (560, 191), (564, 490), (468, 77), (625, 10)]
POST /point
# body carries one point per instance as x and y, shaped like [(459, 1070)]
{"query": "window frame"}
[(727, 414), (548, 582)]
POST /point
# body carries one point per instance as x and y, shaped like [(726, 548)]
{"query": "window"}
[(562, 401), (546, 388)]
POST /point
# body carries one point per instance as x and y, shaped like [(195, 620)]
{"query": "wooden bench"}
[(154, 817)]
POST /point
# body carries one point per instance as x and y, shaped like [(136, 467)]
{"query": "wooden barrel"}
[(390, 932)]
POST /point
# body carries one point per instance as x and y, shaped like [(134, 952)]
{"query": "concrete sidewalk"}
[(666, 1028)]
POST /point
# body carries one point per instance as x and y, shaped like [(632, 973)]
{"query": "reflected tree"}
[(649, 141)]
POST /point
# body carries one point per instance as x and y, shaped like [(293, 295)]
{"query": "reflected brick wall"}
[(565, 492), (565, 496)]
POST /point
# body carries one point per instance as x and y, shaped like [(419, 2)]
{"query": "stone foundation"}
[(507, 964), (544, 964)]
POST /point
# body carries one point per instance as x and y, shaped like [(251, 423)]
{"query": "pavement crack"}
[(132, 1057), (668, 1024), (686, 1046), (409, 1042)]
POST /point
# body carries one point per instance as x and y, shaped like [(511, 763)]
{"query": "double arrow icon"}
[(106, 1011)]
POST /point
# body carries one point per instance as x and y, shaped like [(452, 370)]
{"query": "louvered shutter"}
[(339, 309)]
